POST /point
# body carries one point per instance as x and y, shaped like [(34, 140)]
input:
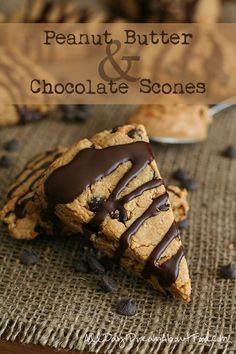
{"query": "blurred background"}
[(131, 10)]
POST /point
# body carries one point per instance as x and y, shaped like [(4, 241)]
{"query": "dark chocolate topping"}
[(23, 199), (166, 273), (113, 204), (90, 165), (153, 210), (67, 182)]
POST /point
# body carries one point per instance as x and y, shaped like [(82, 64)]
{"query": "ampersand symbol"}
[(110, 57)]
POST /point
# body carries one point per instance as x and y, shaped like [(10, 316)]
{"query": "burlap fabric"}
[(51, 305)]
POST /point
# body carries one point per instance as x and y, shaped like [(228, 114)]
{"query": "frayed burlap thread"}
[(49, 304)]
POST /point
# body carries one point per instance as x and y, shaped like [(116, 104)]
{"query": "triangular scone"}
[(20, 213), (112, 185), (23, 217)]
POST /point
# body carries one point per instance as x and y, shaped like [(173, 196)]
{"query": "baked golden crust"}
[(20, 213), (150, 234)]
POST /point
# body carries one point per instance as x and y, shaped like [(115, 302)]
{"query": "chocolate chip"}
[(76, 113), (6, 161), (183, 224), (228, 271), (126, 307), (96, 203), (94, 265), (115, 129), (81, 266), (134, 133), (164, 207), (190, 184), (107, 263), (33, 116), (230, 152), (29, 258), (180, 174), (11, 145), (86, 231), (20, 211), (45, 214), (38, 228), (115, 214), (108, 285), (120, 214), (27, 115)]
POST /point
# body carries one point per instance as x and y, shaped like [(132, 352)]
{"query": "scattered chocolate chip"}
[(180, 174), (107, 263), (108, 285), (81, 266), (115, 129), (94, 265), (29, 258), (11, 145), (95, 204), (126, 307), (230, 152), (228, 271), (76, 112), (27, 115), (183, 224), (134, 133), (190, 184), (6, 161)]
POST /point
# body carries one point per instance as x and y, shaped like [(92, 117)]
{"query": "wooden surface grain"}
[(17, 348)]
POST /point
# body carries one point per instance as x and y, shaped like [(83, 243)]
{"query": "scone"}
[(178, 202), (167, 10), (39, 11), (22, 114), (23, 218), (20, 213), (175, 121), (111, 185), (17, 70), (54, 11)]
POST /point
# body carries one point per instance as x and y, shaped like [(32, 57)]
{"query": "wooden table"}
[(17, 348)]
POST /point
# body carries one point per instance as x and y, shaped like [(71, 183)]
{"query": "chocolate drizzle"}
[(69, 181), (166, 273), (159, 204), (113, 204), (23, 199), (64, 184)]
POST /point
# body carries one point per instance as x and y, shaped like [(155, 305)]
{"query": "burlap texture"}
[(51, 305)]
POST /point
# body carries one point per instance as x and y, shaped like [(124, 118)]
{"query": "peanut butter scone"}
[(20, 213), (167, 10), (17, 71), (22, 216), (54, 11), (38, 11), (178, 202), (111, 184), (22, 114), (175, 121)]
